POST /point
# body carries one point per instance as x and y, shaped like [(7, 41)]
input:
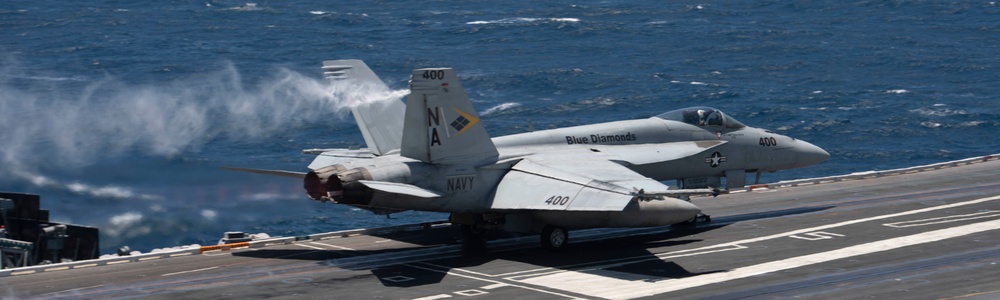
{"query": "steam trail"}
[(69, 127)]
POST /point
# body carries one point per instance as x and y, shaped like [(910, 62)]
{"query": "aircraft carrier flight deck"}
[(921, 233)]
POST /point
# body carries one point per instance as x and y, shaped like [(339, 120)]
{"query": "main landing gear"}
[(554, 237), (473, 239), (475, 228)]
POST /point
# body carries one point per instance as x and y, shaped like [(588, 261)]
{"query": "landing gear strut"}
[(700, 218), (554, 237), (473, 239)]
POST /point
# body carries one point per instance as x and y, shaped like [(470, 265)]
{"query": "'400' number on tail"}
[(557, 200), (433, 74)]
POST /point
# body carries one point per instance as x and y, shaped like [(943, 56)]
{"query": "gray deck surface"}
[(927, 235)]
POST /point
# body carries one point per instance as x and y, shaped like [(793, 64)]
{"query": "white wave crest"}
[(250, 6), (271, 196), (126, 225), (499, 108), (930, 124), (209, 214), (125, 219), (971, 123), (523, 20), (939, 111), (108, 191)]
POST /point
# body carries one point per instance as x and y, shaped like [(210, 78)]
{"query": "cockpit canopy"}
[(702, 116)]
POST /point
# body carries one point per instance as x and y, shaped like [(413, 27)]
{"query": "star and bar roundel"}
[(716, 159)]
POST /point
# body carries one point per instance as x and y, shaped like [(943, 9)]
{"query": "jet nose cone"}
[(810, 154)]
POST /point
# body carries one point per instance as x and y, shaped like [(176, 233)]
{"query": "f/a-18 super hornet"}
[(433, 154)]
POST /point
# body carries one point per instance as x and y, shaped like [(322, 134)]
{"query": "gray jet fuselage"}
[(433, 154), (747, 148), (469, 190)]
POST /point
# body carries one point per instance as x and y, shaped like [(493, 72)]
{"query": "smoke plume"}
[(68, 121)]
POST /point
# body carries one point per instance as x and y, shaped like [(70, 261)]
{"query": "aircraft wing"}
[(570, 181), (655, 153)]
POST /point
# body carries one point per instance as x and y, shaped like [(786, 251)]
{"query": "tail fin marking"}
[(441, 126)]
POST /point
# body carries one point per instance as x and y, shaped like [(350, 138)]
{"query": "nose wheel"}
[(699, 219), (554, 237)]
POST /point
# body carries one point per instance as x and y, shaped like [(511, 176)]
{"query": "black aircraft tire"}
[(687, 223), (554, 237), (472, 231), (474, 240)]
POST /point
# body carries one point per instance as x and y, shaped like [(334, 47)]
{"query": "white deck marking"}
[(630, 260), (941, 220), (331, 246), (435, 297), (815, 236), (80, 289), (494, 282), (593, 283), (851, 222), (338, 247), (495, 286), (398, 278), (308, 246), (460, 270), (611, 287), (470, 293), (190, 271), (738, 244)]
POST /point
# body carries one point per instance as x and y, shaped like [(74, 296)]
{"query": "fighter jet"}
[(433, 154)]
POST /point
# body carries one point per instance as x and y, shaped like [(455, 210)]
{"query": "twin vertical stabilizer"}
[(441, 126), (380, 120)]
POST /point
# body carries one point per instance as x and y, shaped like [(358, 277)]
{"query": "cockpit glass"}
[(702, 117)]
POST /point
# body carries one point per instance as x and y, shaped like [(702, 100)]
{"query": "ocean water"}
[(120, 113)]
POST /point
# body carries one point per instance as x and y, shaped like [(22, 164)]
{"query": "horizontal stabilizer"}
[(401, 188), (291, 174), (328, 157)]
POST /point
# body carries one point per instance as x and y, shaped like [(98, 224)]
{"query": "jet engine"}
[(339, 184)]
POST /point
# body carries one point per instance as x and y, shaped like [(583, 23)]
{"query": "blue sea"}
[(120, 113)]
